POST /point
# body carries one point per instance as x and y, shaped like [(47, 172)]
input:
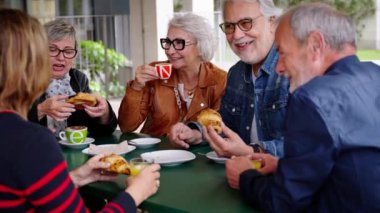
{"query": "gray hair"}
[(267, 7), (338, 29), (58, 30), (199, 28)]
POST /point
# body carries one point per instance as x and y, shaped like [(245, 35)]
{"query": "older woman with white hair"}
[(195, 83)]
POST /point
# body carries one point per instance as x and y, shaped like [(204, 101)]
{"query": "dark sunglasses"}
[(243, 24), (178, 44)]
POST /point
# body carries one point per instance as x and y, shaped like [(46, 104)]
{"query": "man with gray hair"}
[(332, 149), (254, 104)]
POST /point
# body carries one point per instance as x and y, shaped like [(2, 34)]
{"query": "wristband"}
[(256, 147)]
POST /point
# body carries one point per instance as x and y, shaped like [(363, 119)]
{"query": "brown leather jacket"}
[(157, 105)]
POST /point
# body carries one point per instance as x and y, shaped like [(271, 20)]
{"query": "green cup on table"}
[(74, 134)]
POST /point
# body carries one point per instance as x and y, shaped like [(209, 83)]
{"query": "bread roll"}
[(210, 117)]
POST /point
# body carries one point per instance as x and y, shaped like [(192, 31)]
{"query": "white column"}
[(203, 8), (164, 12), (136, 32), (149, 20)]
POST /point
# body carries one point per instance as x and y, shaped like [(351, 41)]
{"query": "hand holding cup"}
[(144, 74), (163, 70), (138, 164)]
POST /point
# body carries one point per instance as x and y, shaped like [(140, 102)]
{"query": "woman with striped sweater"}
[(33, 172)]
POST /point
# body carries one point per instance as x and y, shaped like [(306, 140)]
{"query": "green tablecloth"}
[(199, 185)]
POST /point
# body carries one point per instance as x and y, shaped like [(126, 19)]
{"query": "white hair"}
[(337, 28), (199, 28), (267, 7)]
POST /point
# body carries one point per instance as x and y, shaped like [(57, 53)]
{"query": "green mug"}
[(74, 134)]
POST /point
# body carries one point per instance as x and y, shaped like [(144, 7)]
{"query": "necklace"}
[(190, 92)]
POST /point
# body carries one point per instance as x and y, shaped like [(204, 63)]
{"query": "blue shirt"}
[(267, 97), (332, 148)]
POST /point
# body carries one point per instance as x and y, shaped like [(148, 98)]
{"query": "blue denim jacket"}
[(267, 98), (332, 149)]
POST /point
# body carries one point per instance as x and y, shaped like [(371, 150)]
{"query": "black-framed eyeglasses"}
[(243, 24), (67, 53), (178, 44)]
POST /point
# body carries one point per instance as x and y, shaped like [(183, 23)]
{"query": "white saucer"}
[(77, 145), (169, 157), (213, 156), (144, 143)]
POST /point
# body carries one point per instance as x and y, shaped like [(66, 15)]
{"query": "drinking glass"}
[(138, 164)]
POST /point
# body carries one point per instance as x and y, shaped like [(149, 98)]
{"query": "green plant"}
[(93, 55)]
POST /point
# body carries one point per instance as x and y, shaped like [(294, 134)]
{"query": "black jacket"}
[(79, 83)]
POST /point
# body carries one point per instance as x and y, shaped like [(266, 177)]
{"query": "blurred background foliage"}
[(103, 81), (358, 10)]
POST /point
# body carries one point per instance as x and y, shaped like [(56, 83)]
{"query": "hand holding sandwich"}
[(90, 172), (100, 110), (140, 187), (94, 105), (55, 107)]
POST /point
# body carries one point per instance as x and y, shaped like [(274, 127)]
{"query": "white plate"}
[(144, 142), (108, 147), (213, 156), (77, 145), (169, 157)]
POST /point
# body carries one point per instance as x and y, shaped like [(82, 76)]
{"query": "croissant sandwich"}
[(210, 117), (118, 164), (82, 98)]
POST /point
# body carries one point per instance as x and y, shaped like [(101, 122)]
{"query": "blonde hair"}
[(24, 60)]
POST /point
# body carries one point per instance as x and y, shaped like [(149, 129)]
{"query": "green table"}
[(195, 186)]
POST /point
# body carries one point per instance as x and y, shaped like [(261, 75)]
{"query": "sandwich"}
[(118, 164), (81, 99), (210, 117)]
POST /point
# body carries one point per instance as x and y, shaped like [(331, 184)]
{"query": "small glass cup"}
[(256, 164), (138, 164)]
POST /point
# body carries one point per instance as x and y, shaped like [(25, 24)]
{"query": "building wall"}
[(369, 35)]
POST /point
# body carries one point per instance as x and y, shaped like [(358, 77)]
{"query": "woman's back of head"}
[(24, 60)]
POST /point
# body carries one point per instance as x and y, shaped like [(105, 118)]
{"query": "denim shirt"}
[(332, 149), (267, 98)]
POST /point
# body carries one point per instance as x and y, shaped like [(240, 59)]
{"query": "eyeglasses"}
[(67, 53), (243, 24), (178, 44)]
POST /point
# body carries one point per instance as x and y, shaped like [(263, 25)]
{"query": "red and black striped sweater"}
[(33, 172)]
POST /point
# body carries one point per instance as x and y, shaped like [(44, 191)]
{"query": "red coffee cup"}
[(164, 70)]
